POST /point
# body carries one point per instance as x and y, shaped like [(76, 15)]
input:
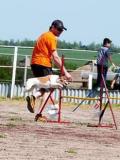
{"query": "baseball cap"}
[(106, 40), (58, 24)]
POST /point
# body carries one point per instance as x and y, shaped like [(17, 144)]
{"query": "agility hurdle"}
[(60, 100), (102, 112), (100, 99), (103, 84), (83, 99)]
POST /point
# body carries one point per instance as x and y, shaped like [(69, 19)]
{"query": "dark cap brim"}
[(65, 28)]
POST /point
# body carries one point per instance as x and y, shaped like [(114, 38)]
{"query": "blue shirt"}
[(103, 55)]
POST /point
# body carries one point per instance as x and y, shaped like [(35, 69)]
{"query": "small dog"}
[(47, 82)]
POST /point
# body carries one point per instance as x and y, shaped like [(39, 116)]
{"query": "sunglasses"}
[(60, 29)]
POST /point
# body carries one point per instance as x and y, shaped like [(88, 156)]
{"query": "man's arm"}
[(58, 62), (114, 81), (110, 59)]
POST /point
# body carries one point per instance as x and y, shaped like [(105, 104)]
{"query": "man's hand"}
[(58, 62), (68, 76), (112, 86), (113, 65)]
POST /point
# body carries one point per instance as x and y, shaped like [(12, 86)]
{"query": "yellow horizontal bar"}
[(82, 98), (114, 98), (88, 98)]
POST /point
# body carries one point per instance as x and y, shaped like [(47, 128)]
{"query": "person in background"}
[(104, 55), (45, 50)]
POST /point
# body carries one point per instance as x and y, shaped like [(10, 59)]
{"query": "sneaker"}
[(30, 103), (38, 116), (53, 110)]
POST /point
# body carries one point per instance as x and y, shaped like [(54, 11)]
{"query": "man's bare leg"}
[(31, 99)]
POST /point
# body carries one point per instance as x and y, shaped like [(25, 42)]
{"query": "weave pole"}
[(108, 103), (60, 91)]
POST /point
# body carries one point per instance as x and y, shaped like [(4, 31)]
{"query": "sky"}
[(86, 20)]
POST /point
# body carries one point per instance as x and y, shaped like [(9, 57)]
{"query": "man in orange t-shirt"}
[(43, 53)]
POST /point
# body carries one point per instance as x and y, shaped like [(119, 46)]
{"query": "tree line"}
[(61, 44)]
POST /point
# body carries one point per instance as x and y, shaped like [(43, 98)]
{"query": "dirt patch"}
[(23, 139)]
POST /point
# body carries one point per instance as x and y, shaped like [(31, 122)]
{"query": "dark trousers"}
[(101, 70)]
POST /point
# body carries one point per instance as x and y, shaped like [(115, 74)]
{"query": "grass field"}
[(67, 53)]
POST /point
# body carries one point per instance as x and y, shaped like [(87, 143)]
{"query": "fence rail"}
[(15, 53), (14, 66)]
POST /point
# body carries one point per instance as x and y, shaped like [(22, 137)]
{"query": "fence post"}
[(93, 62), (90, 81), (14, 71), (25, 70)]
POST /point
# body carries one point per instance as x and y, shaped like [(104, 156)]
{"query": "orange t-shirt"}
[(44, 47)]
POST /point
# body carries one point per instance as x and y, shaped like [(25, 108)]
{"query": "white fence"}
[(15, 53), (5, 90), (14, 90)]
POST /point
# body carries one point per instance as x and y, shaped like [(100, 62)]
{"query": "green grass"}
[(6, 50), (10, 125), (16, 119), (116, 59), (78, 54), (67, 54), (73, 64), (85, 55), (2, 136), (25, 51), (71, 151)]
